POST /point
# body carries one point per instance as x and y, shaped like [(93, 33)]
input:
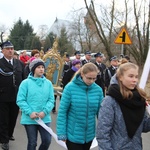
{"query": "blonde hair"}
[(126, 93), (122, 61), (88, 67)]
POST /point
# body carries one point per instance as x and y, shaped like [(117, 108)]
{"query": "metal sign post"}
[(122, 49)]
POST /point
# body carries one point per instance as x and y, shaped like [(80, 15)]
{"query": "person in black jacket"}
[(11, 75), (76, 64), (67, 64), (110, 71), (100, 77), (87, 58)]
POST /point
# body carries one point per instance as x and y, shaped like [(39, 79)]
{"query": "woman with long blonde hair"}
[(122, 117)]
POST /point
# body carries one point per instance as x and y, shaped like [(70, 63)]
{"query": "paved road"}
[(21, 139)]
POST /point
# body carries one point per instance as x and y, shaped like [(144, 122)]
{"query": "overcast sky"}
[(41, 12), (38, 12)]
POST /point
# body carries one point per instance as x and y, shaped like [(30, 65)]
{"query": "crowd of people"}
[(91, 91)]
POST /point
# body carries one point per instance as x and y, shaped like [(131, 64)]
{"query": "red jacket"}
[(24, 59)]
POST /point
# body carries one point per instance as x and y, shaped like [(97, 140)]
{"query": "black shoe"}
[(12, 138), (5, 146)]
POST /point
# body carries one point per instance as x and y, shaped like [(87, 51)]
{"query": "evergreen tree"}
[(29, 35), (52, 37), (47, 44), (16, 35), (36, 44), (21, 35)]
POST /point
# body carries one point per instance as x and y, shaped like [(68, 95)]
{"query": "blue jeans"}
[(32, 133)]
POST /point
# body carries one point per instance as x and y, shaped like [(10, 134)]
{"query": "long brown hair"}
[(126, 93)]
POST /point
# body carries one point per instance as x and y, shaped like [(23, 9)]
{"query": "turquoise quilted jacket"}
[(35, 95), (78, 109)]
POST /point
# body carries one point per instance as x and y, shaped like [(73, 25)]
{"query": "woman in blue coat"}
[(78, 109), (36, 100), (122, 117)]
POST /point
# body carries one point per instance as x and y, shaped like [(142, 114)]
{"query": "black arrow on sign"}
[(123, 36)]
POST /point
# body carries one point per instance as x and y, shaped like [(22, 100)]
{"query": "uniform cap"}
[(6, 44), (113, 58), (99, 54), (77, 52), (87, 53)]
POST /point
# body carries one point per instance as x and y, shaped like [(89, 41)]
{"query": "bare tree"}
[(140, 32), (42, 31), (106, 26), (77, 30), (4, 30), (80, 34), (106, 40)]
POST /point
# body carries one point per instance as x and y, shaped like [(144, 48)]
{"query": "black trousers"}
[(8, 116), (54, 108), (75, 146)]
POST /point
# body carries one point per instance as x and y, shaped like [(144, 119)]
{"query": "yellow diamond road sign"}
[(123, 37)]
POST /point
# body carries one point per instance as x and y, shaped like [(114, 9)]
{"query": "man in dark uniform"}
[(100, 77), (110, 71), (87, 58), (77, 55), (67, 64), (11, 75)]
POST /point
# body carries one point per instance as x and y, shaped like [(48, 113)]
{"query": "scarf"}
[(133, 109), (74, 68)]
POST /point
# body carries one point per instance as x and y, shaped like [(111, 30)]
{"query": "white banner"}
[(63, 144), (145, 73)]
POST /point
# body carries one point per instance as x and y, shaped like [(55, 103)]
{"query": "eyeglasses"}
[(89, 78)]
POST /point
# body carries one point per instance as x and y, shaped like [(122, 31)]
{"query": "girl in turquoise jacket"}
[(36, 100), (78, 109)]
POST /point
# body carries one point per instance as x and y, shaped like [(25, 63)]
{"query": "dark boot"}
[(5, 146), (12, 138)]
